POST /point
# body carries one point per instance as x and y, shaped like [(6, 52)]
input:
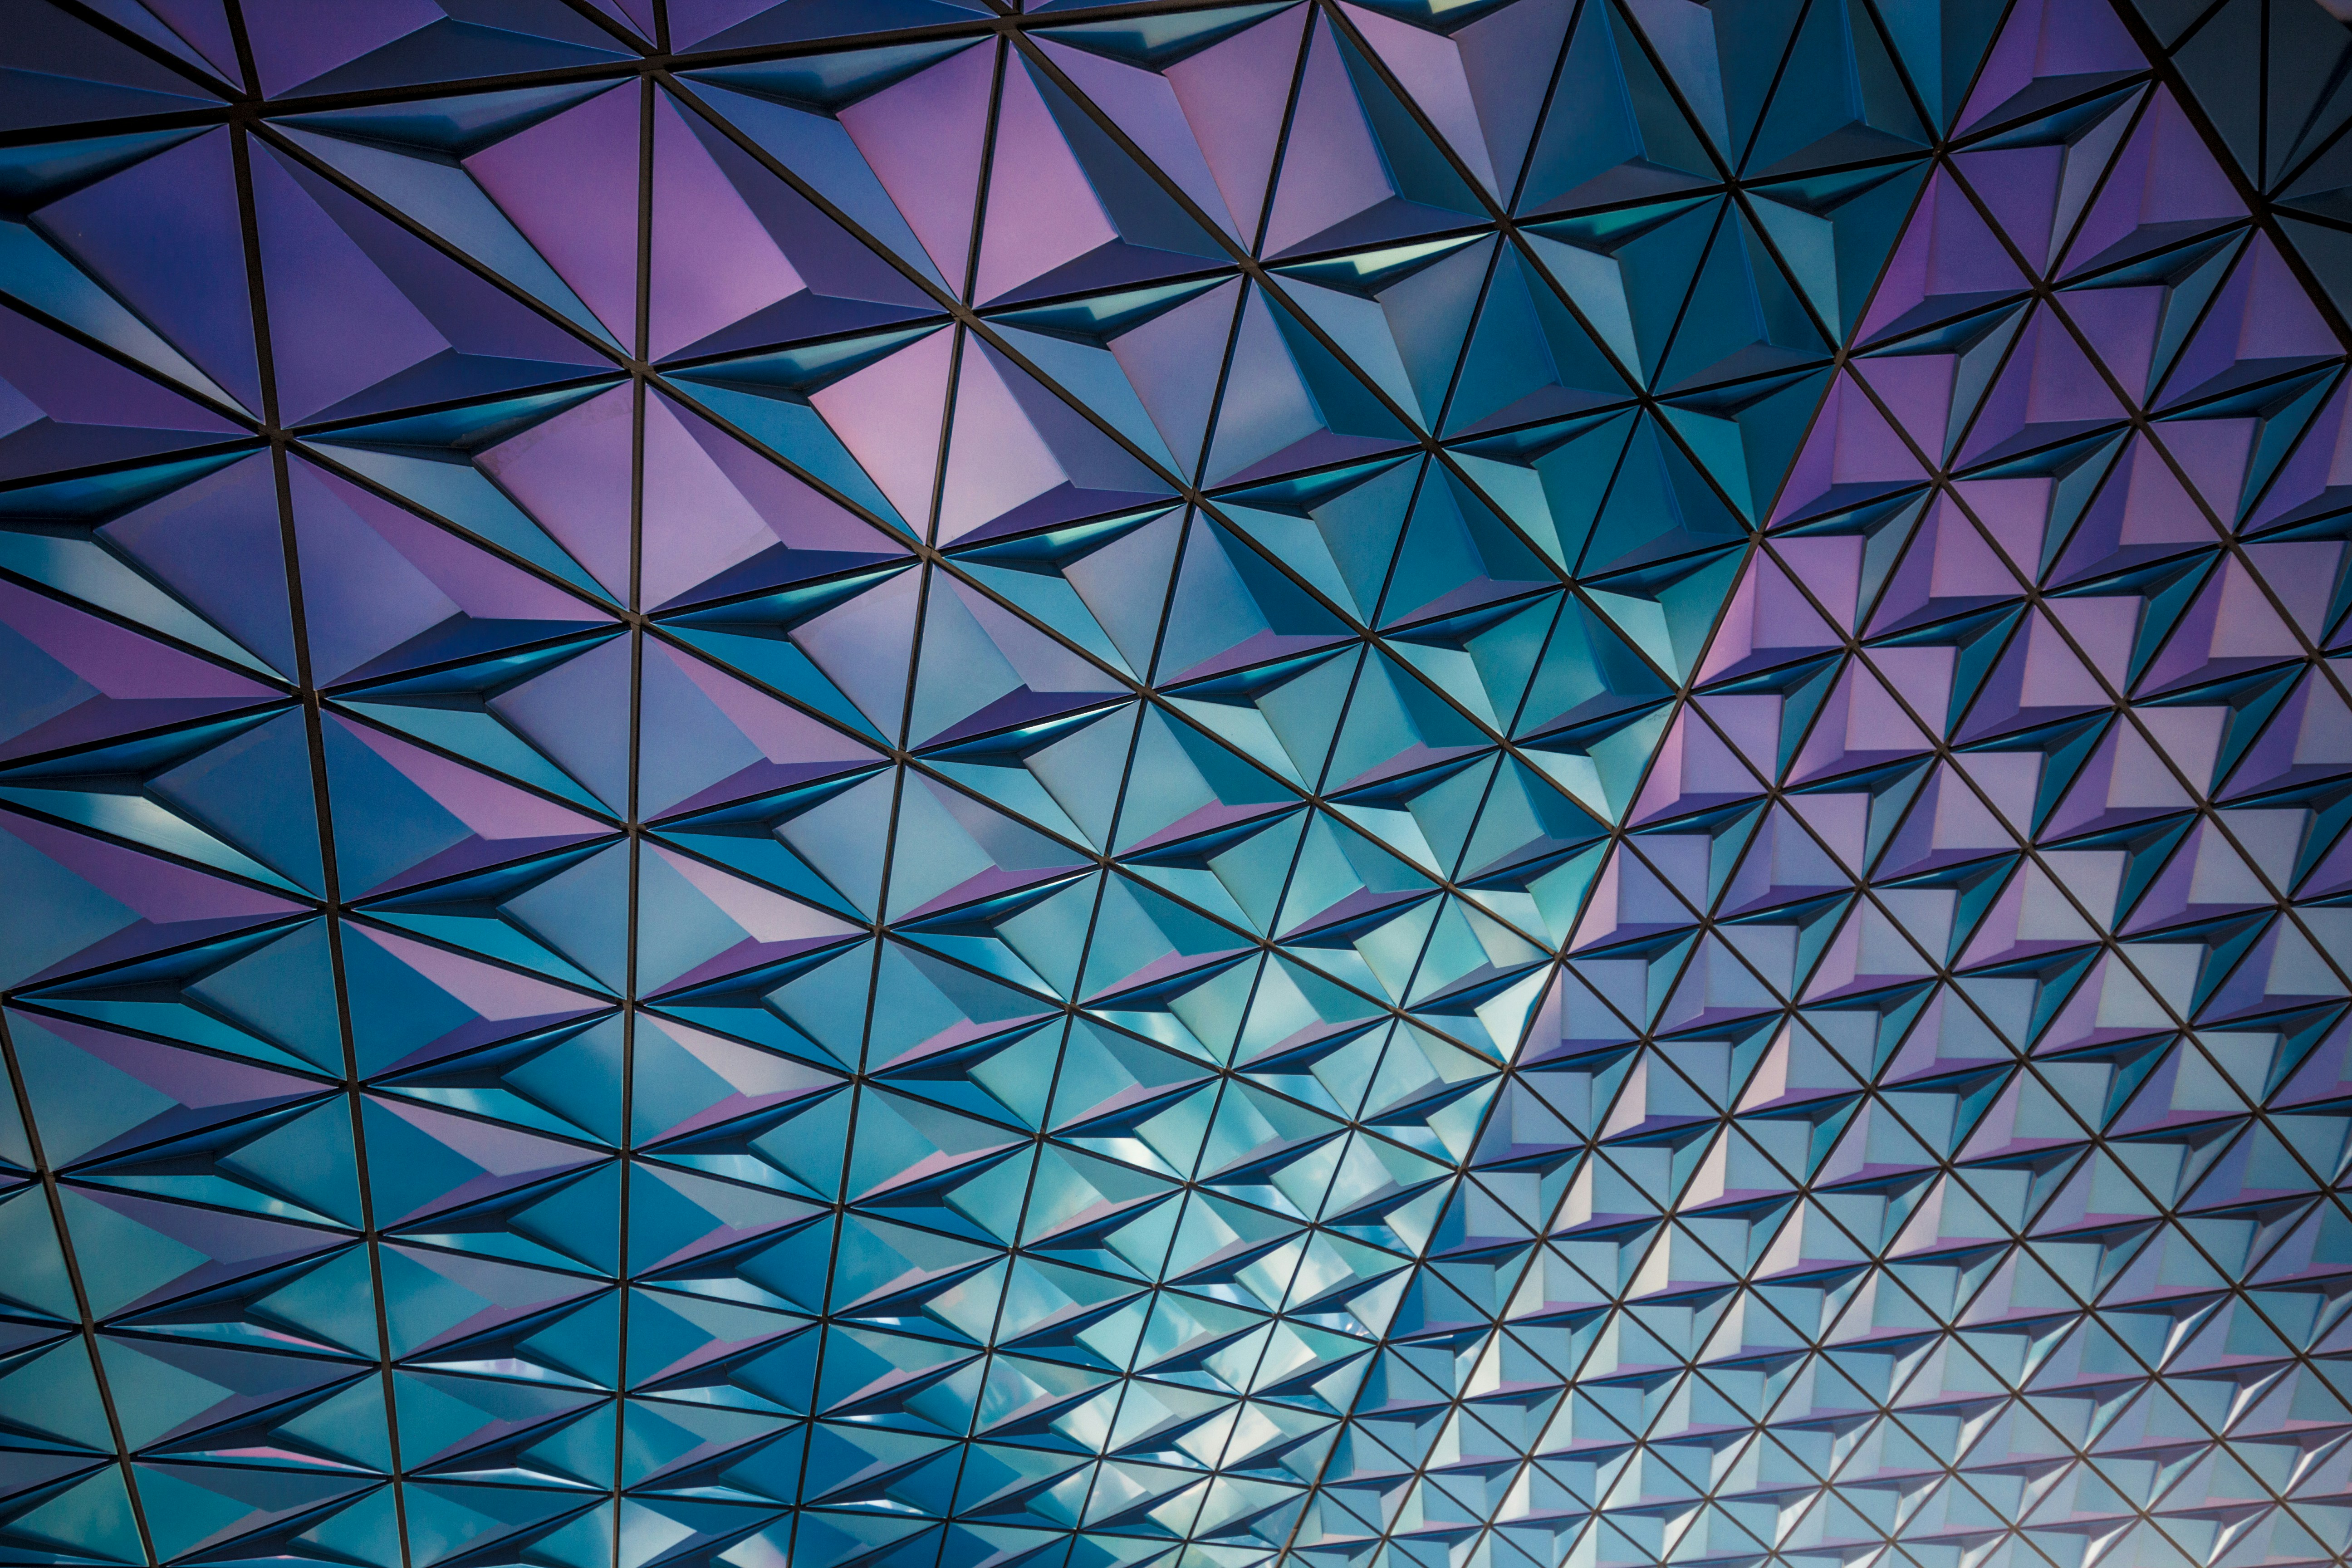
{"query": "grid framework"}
[(1432, 784)]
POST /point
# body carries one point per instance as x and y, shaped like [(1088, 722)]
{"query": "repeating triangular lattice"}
[(1431, 783)]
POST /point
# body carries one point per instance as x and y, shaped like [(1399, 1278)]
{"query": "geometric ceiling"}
[(1422, 783)]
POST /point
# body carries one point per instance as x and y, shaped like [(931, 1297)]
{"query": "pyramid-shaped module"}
[(1368, 784)]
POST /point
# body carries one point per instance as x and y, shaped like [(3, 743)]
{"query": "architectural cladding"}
[(1420, 784)]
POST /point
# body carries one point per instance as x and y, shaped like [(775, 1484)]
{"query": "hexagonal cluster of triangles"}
[(1471, 783)]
